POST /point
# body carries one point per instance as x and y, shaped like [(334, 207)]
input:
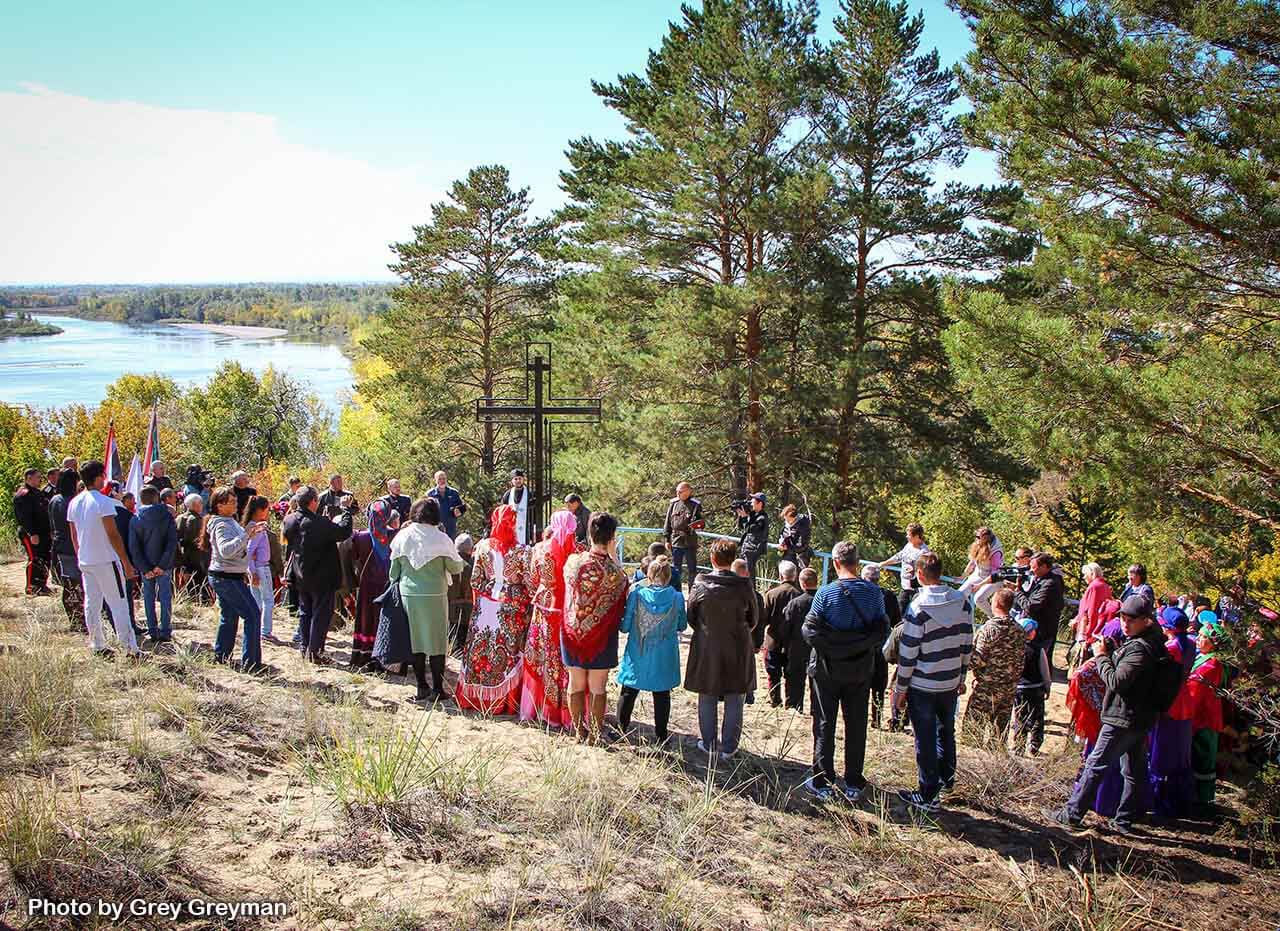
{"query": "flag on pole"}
[(153, 443), (111, 456), (134, 482)]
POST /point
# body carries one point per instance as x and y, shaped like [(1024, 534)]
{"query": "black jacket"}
[(329, 506), (843, 656), (776, 600), (31, 511), (314, 541), (242, 499), (786, 633), (795, 539), (59, 528), (755, 532), (401, 504), (1043, 601), (1129, 675)]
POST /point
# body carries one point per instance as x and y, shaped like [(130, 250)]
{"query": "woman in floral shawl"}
[(544, 692), (371, 550), (493, 661), (594, 603)]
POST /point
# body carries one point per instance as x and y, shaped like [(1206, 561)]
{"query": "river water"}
[(79, 363)]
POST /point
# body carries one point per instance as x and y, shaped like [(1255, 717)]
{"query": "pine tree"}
[(1139, 348), (474, 289)]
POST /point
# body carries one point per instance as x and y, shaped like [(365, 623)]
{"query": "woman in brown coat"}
[(723, 611)]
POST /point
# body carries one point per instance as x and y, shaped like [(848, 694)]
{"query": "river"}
[(77, 364)]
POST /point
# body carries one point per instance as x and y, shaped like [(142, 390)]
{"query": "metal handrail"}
[(708, 535)]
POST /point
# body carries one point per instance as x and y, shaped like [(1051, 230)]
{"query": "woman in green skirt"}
[(422, 558)]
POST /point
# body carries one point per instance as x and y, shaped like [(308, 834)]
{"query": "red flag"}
[(153, 443), (111, 456)]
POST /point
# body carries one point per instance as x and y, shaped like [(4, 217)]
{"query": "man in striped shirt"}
[(937, 637)]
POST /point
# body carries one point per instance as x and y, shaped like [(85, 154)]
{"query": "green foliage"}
[(241, 420), (24, 445), (143, 390), (950, 511), (1138, 349), (474, 289)]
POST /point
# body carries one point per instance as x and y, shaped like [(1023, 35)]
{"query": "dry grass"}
[(325, 789)]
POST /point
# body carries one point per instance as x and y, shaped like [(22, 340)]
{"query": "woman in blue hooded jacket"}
[(654, 618)]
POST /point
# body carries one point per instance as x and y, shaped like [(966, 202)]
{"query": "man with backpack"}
[(845, 626), (1141, 680)]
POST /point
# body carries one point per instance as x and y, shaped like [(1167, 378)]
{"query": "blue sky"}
[(277, 141)]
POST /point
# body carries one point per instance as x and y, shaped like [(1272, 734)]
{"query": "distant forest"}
[(304, 308)]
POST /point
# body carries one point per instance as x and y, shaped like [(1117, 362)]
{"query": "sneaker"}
[(853, 794), (726, 757), (1123, 828), (1063, 817), (703, 747), (918, 802), (948, 785), (819, 793)]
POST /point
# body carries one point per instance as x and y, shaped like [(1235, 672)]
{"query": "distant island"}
[(21, 323)]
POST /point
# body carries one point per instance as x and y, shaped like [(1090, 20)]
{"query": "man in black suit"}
[(317, 571)]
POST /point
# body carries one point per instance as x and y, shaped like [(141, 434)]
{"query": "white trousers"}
[(106, 582)]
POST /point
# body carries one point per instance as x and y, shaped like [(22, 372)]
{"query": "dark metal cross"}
[(535, 411)]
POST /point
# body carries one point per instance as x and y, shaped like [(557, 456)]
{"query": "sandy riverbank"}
[(247, 332)]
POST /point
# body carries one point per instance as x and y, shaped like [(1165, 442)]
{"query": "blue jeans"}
[(236, 602), (933, 719), (1129, 746), (680, 556), (161, 587)]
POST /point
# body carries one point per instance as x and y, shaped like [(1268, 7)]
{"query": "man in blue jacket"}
[(153, 546), (451, 504)]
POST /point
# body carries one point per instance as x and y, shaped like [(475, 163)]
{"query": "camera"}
[(1015, 574), (740, 504)]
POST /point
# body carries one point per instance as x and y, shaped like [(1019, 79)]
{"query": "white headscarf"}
[(421, 543)]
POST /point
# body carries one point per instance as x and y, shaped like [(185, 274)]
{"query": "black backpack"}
[(1166, 682)]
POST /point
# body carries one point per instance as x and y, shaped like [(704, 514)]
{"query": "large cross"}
[(537, 412)]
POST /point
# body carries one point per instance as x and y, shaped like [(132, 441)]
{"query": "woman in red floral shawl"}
[(544, 694), (596, 597), (493, 660)]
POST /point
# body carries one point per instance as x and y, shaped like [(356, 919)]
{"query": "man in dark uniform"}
[(31, 512)]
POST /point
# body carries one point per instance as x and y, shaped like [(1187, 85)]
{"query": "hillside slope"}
[(176, 780)]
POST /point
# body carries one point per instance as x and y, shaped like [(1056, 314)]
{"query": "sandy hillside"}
[(178, 781)]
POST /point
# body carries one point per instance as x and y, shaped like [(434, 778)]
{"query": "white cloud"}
[(118, 191)]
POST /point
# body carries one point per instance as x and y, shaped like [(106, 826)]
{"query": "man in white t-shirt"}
[(103, 560)]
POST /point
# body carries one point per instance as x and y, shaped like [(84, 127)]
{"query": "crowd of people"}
[(536, 624)]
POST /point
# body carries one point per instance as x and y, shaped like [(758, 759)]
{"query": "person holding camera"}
[(1129, 710), (1041, 598), (794, 543), (317, 571), (753, 522)]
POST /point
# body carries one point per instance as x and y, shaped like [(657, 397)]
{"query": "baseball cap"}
[(759, 496), (1171, 617), (1136, 606), (1028, 624)]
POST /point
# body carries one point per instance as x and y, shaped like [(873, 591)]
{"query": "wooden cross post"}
[(538, 413)]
